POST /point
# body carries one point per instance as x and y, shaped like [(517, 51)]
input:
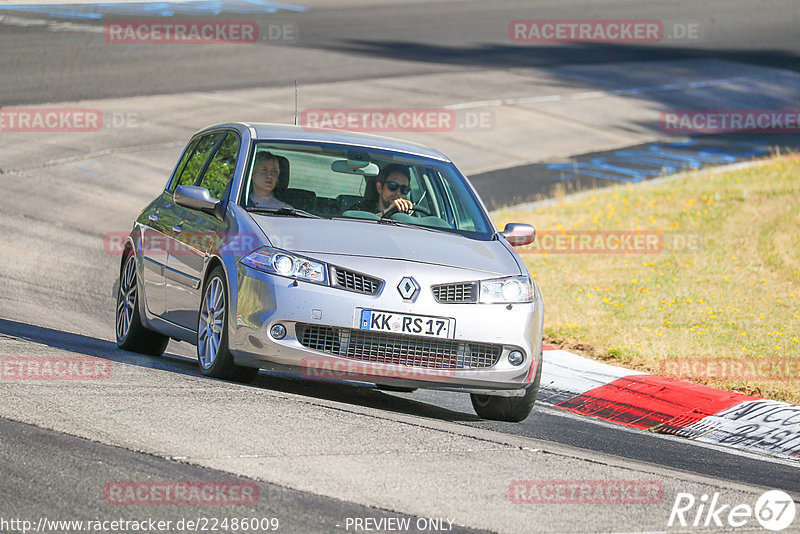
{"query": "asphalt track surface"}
[(546, 423), (70, 488), (337, 43)]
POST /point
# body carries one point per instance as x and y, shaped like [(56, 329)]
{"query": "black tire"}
[(221, 364), (509, 409), (131, 334)]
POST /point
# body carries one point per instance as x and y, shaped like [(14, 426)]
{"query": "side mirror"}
[(519, 235), (198, 198)]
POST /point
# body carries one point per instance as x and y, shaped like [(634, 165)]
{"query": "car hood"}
[(370, 239)]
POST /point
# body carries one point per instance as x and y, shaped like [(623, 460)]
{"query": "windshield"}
[(335, 181)]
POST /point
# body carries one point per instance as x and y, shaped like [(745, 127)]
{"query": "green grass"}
[(733, 293)]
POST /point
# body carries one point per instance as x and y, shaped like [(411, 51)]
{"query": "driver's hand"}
[(403, 205)]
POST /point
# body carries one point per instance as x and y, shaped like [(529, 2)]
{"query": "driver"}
[(392, 185)]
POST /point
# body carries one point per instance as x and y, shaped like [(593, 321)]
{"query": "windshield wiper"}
[(409, 225), (284, 210)]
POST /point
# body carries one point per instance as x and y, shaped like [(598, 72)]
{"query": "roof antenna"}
[(295, 102)]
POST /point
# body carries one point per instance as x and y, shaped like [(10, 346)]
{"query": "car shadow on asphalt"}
[(360, 395), (357, 395)]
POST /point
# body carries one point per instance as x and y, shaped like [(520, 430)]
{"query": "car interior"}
[(348, 203), (334, 182)]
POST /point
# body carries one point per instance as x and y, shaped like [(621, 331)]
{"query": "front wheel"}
[(132, 335), (510, 409), (213, 354)]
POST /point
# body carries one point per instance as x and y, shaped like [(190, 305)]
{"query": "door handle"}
[(153, 217)]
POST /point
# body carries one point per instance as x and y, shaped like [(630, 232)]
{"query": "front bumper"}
[(263, 300)]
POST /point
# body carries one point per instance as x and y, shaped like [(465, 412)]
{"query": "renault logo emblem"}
[(408, 288)]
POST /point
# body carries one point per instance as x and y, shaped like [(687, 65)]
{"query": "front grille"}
[(353, 281), (457, 293), (398, 349)]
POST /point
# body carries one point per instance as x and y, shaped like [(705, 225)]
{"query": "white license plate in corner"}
[(403, 323)]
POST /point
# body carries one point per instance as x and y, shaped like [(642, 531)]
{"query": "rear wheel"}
[(213, 354), (510, 409), (132, 335)]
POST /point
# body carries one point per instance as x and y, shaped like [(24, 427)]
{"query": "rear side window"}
[(197, 160), (220, 169), (182, 163)]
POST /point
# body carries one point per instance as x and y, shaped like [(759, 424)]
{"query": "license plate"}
[(403, 323)]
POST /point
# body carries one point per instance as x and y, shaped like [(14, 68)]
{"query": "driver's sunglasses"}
[(394, 186)]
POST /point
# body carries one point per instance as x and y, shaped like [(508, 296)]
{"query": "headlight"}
[(513, 289), (274, 261)]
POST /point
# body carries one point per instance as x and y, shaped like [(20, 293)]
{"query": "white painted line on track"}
[(598, 94), (51, 25)]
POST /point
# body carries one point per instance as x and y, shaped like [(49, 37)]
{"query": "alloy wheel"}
[(212, 315), (126, 300)]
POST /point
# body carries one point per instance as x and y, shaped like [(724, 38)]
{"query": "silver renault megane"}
[(333, 255)]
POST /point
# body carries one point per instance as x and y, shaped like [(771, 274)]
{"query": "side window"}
[(467, 216), (182, 163), (433, 201), (195, 162), (220, 169)]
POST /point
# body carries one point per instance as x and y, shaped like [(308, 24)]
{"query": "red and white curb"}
[(668, 406)]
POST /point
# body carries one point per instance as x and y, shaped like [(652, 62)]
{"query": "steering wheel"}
[(415, 208), (419, 209)]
